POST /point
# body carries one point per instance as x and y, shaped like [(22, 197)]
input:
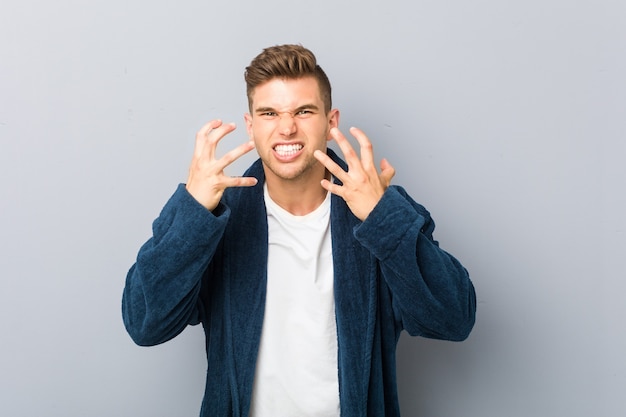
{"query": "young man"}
[(304, 271)]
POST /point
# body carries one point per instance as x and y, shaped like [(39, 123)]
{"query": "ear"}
[(248, 119), (333, 121)]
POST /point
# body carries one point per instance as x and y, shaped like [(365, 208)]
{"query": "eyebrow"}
[(271, 109)]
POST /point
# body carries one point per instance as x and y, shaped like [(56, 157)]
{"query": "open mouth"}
[(285, 151)]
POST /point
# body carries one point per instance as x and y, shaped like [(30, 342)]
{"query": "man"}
[(304, 271)]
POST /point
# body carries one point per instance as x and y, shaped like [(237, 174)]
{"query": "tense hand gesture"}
[(207, 181), (362, 186)]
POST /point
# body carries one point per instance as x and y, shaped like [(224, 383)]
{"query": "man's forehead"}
[(287, 92)]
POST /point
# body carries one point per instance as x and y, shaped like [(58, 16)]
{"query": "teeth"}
[(286, 150)]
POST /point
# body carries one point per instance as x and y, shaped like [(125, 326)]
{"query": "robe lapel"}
[(355, 308), (246, 289)]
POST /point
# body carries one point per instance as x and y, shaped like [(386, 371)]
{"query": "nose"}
[(287, 124)]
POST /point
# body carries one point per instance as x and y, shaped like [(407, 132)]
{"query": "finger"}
[(240, 182), (330, 165), (367, 150), (348, 152), (213, 137), (332, 188), (202, 135), (235, 154)]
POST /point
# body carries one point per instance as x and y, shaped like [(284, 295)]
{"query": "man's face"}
[(288, 123)]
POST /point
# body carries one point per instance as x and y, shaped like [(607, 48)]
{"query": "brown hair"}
[(287, 62)]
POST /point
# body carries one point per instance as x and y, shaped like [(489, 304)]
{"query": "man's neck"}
[(299, 196)]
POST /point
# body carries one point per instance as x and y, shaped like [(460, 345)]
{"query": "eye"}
[(268, 114), (304, 113)]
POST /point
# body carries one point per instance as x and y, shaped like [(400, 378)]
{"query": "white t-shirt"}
[(296, 370)]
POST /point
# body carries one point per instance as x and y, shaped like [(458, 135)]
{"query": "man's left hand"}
[(362, 186)]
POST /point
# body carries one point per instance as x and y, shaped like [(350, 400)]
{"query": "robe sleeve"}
[(160, 296), (432, 293)]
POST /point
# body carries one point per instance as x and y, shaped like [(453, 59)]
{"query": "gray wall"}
[(506, 119)]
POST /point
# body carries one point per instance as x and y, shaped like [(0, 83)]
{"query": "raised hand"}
[(362, 186), (207, 181)]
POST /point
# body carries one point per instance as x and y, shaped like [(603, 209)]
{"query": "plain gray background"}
[(505, 119)]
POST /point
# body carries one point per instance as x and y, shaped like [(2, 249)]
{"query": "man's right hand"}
[(207, 181)]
